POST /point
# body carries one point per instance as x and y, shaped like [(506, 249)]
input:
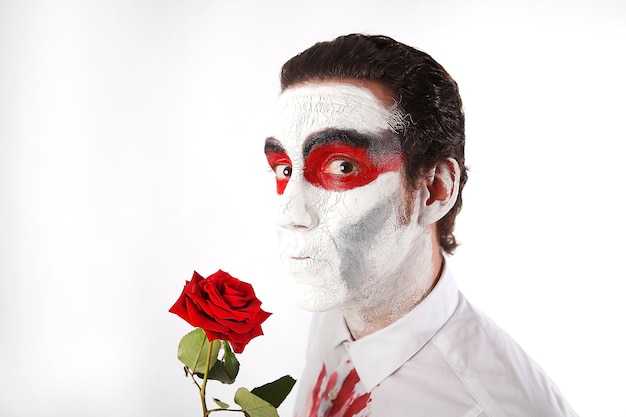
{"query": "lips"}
[(300, 246), (297, 258), (303, 252), (300, 264)]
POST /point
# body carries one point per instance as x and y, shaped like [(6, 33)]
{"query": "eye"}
[(283, 171), (281, 165), (341, 167)]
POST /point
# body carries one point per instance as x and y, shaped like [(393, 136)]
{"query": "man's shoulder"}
[(494, 367)]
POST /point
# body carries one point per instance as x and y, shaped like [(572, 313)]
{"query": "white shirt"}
[(442, 359)]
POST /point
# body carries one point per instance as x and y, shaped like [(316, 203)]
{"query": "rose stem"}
[(205, 411)]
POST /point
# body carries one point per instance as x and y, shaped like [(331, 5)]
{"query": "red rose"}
[(225, 307)]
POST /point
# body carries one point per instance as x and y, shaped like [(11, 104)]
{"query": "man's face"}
[(342, 226)]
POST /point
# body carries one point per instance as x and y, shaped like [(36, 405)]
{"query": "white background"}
[(131, 140)]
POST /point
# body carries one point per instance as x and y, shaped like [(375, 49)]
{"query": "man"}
[(368, 151)]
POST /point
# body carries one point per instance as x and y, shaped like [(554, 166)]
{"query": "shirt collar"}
[(408, 334)]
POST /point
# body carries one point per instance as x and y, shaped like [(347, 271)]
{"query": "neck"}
[(372, 312)]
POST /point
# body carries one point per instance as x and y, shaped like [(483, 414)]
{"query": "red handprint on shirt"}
[(339, 394)]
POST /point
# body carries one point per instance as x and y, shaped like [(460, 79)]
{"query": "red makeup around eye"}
[(367, 167), (276, 159)]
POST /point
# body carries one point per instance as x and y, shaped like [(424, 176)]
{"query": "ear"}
[(439, 192)]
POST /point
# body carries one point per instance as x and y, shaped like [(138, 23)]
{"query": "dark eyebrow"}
[(273, 145), (350, 137)]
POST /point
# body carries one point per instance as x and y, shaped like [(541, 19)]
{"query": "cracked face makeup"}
[(343, 234)]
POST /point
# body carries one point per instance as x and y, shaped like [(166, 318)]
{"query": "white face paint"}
[(343, 233)]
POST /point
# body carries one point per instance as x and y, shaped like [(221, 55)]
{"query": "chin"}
[(317, 299)]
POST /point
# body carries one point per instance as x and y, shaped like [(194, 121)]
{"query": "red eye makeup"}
[(281, 165), (337, 160), (342, 166)]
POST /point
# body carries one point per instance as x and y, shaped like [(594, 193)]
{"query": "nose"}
[(296, 209)]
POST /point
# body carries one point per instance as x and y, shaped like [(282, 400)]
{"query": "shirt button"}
[(332, 394)]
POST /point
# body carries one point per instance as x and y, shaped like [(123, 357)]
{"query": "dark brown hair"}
[(426, 94)]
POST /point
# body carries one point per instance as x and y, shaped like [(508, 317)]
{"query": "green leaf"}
[(231, 364), (193, 350), (226, 369), (221, 404), (218, 373), (275, 392), (254, 406)]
